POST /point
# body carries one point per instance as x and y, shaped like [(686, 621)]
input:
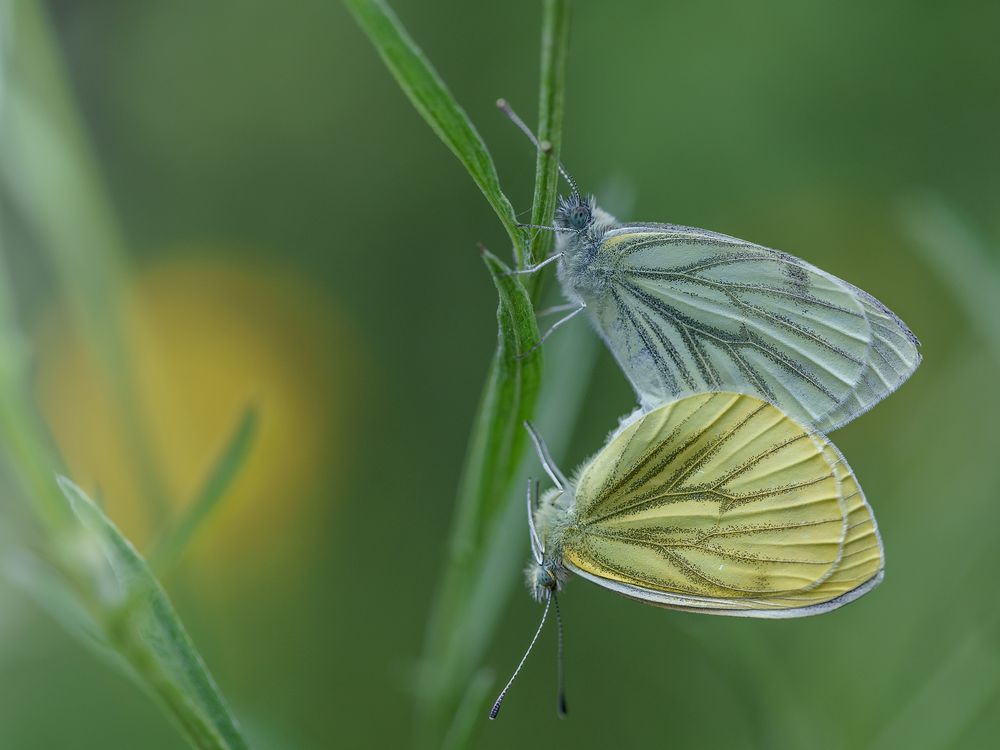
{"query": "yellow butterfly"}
[(716, 503)]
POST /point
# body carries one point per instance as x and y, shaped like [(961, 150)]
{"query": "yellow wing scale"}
[(719, 502)]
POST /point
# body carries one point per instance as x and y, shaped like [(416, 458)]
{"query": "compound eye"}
[(579, 217)]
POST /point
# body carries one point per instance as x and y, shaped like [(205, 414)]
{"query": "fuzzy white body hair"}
[(583, 273), (553, 516)]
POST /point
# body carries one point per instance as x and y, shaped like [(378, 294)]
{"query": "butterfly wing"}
[(892, 358), (721, 503), (688, 310)]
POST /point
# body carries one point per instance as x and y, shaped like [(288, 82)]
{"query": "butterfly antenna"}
[(561, 705), (543, 146), (503, 693)]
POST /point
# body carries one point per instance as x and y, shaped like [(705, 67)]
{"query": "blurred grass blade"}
[(169, 547), (22, 449), (149, 635), (953, 697), (49, 171), (960, 258), (463, 727), (41, 583), (754, 669), (93, 580), (431, 98)]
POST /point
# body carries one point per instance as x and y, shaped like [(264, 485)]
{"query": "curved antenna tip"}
[(503, 693)]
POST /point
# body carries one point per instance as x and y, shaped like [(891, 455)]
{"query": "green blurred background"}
[(299, 238)]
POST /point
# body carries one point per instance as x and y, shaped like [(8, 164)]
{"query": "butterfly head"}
[(544, 578), (575, 212)]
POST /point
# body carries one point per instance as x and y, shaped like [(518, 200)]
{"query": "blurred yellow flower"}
[(207, 339)]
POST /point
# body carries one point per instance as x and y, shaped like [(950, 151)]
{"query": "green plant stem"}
[(483, 540), (555, 43), (488, 506)]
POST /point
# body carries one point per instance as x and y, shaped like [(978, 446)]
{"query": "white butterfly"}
[(688, 310)]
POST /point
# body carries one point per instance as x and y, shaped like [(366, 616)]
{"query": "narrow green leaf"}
[(431, 98), (146, 631), (169, 547), (499, 438)]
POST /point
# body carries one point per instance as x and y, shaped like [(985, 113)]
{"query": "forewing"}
[(720, 502), (891, 360), (689, 310)]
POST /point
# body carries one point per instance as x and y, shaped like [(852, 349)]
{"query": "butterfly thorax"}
[(583, 270)]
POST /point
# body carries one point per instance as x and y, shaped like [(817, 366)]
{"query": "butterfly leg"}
[(536, 267), (546, 228), (557, 477), (551, 329), (545, 312), (537, 551)]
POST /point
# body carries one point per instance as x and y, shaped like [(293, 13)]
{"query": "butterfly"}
[(686, 310), (718, 503)]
